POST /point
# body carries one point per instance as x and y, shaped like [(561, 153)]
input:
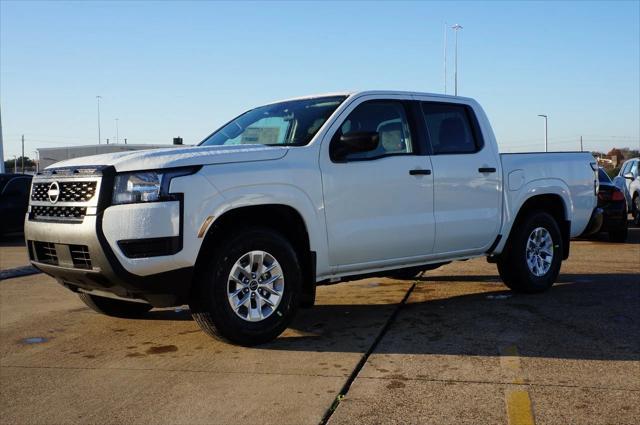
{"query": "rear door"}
[(378, 204), (468, 186)]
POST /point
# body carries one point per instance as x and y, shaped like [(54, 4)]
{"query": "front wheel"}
[(247, 291), (532, 258), (113, 307)]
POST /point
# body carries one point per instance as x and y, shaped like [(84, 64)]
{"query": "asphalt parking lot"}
[(453, 347)]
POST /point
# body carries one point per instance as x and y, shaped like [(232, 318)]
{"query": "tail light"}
[(617, 196), (614, 195)]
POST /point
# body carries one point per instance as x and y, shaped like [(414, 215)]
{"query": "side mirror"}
[(354, 142), (629, 176)]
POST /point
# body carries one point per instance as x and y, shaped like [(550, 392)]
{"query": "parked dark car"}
[(612, 201), (14, 200)]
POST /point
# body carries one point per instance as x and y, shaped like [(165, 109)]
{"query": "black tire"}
[(210, 306), (512, 265), (113, 307)]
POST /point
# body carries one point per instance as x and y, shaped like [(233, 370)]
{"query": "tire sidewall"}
[(214, 284), (537, 283)]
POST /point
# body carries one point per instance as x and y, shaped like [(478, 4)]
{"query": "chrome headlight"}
[(147, 186), (137, 187)]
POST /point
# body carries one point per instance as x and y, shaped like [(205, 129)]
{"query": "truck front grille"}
[(46, 253), (76, 256), (45, 212), (80, 256), (70, 191)]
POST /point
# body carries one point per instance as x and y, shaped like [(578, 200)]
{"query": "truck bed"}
[(570, 175)]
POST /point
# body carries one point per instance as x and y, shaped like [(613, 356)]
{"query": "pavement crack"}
[(354, 374), (510, 383)]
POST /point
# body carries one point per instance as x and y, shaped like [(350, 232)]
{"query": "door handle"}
[(420, 172), (486, 170)]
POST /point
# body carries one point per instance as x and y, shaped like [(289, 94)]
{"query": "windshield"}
[(603, 177), (292, 123)]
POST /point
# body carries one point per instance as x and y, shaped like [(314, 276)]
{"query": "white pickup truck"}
[(299, 193)]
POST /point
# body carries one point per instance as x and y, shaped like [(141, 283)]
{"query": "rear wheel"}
[(532, 258), (113, 307), (248, 290)]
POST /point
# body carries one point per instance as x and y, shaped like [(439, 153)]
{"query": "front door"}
[(378, 204)]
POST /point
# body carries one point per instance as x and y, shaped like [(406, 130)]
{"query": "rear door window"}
[(450, 128)]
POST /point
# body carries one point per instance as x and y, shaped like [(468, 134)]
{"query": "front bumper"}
[(79, 256), (97, 268)]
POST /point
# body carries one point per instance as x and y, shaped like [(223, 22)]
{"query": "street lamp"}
[(455, 28), (117, 130), (446, 28), (98, 98), (546, 134)]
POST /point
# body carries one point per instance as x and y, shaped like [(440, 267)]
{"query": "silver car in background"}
[(628, 180)]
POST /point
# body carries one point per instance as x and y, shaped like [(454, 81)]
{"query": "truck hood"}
[(177, 157)]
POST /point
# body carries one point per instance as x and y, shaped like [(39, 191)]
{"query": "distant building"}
[(50, 156)]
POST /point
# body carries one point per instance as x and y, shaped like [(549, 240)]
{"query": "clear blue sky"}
[(170, 69)]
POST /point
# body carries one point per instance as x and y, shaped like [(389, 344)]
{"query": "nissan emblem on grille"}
[(53, 192)]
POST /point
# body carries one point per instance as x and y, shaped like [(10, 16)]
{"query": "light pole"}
[(116, 131), (98, 98), (455, 28), (446, 28), (546, 133)]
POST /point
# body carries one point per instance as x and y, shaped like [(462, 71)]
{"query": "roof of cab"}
[(375, 93)]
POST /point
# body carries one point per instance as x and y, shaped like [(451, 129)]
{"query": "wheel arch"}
[(282, 218), (552, 203)]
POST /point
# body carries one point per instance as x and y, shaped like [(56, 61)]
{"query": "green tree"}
[(9, 164)]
